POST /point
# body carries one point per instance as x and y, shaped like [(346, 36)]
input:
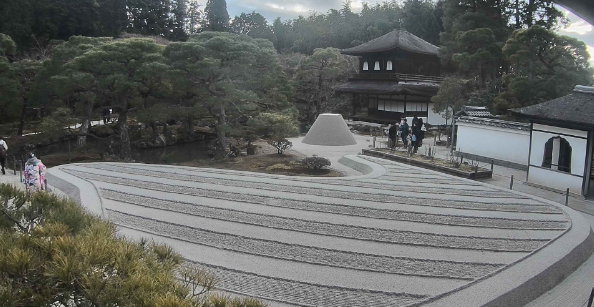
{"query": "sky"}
[(290, 9)]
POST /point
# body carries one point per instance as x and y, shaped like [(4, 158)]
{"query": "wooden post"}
[(567, 197), (491, 166), (21, 171), (374, 142), (591, 298), (14, 165), (434, 139), (476, 172), (511, 183), (453, 131)]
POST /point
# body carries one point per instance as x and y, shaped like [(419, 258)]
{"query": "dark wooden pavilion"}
[(398, 74)]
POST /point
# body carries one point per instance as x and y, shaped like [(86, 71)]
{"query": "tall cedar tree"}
[(217, 17)]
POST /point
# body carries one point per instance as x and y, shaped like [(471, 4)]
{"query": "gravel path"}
[(264, 237)]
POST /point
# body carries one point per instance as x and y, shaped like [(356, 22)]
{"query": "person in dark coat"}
[(418, 134), (392, 132), (404, 130)]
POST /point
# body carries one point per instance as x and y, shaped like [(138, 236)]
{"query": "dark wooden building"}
[(398, 75)]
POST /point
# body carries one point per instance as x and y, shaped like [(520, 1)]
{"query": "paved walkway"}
[(396, 237)]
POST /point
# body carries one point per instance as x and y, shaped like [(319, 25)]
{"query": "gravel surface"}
[(306, 294), (308, 254), (286, 186), (335, 207), (344, 198)]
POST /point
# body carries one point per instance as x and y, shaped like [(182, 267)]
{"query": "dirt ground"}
[(267, 160)]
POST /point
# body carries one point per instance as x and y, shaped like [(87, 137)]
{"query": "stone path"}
[(405, 237)]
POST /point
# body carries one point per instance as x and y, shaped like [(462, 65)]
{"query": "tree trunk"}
[(221, 152), (126, 150), (165, 129), (23, 113), (530, 13), (190, 126), (84, 128), (155, 131), (517, 8)]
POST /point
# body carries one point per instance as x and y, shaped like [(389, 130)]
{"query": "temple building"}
[(398, 75), (561, 142)]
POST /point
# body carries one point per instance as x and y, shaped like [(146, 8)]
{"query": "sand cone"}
[(329, 130)]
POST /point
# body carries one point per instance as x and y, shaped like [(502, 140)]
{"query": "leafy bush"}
[(315, 162), (274, 125), (53, 253), (281, 145)]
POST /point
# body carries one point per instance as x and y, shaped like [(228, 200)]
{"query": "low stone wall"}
[(481, 173), (503, 163)]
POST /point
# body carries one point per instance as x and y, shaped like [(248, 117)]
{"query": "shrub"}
[(315, 162), (281, 145), (53, 253)]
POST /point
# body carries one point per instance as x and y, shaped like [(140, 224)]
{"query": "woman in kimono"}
[(34, 174)]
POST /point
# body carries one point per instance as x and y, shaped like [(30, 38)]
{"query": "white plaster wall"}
[(578, 146), (555, 179), (552, 178), (498, 143), (434, 118)]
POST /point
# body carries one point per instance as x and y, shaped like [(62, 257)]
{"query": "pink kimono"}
[(34, 175)]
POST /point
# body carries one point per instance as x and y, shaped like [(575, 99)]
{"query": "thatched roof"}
[(393, 40), (576, 108), (376, 87)]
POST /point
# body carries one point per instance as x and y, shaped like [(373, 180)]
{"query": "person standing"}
[(34, 174), (392, 135), (404, 130), (3, 154), (418, 134)]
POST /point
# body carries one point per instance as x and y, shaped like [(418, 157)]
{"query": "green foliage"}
[(217, 18), (157, 18), (280, 144), (343, 28), (545, 66), (274, 125), (452, 95), (7, 46), (316, 78), (232, 77), (36, 22), (315, 162), (9, 104), (252, 24), (120, 73), (53, 253)]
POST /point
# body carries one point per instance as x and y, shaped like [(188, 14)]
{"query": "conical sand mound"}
[(329, 130)]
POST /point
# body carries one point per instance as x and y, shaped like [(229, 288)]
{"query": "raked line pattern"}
[(405, 249)]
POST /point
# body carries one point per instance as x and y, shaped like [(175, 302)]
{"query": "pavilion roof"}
[(389, 88), (396, 39), (576, 108)]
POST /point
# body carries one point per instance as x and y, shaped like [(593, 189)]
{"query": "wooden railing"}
[(396, 76)]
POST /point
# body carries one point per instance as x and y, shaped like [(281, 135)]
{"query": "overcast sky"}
[(289, 9)]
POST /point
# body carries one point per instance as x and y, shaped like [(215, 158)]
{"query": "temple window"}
[(377, 65), (389, 65), (365, 66), (557, 154)]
